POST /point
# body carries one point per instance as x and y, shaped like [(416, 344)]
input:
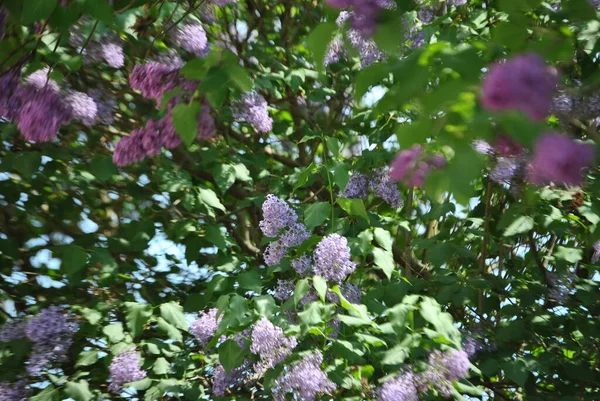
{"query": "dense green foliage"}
[(137, 252)]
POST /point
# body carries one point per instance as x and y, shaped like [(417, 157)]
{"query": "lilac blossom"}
[(506, 146), (522, 83), (40, 79), (192, 38), (84, 107), (284, 290), (40, 113), (51, 331), (9, 82), (253, 110), (106, 104), (270, 344), (385, 188), (12, 330), (295, 235), (277, 215), (357, 187), (332, 258), (405, 162), (505, 170), (17, 391), (223, 380), (400, 388), (302, 264), (482, 147), (274, 253), (203, 328), (109, 49), (444, 368), (125, 368), (305, 380), (350, 292), (153, 79), (559, 159)]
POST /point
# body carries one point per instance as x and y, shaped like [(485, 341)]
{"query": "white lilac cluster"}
[(270, 344), (277, 217)]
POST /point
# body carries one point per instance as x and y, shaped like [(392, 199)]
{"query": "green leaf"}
[(185, 121), (516, 371), (304, 175), (225, 175), (216, 236), (47, 394), (27, 163), (384, 260), (230, 355), (92, 315), (35, 10), (396, 355), (318, 41), (300, 290), (240, 77), (383, 238), (173, 313), (79, 391), (368, 77), (571, 255), (103, 168), (354, 207), (313, 314), (161, 366), (114, 332), (209, 198), (171, 331), (87, 358), (521, 225), (98, 9), (340, 175), (316, 214), (251, 281), (136, 317), (73, 259), (265, 305), (321, 286)]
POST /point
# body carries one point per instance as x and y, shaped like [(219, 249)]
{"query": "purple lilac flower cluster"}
[(36, 106), (253, 109), (509, 156), (154, 79), (302, 265), (305, 380), (108, 49), (279, 216), (284, 290), (522, 83), (270, 344), (39, 108), (559, 159), (12, 330), (51, 332), (359, 185), (368, 51), (332, 258), (192, 38), (203, 328), (125, 368), (400, 388), (443, 369), (350, 292), (236, 378), (17, 391), (365, 13), (411, 166)]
